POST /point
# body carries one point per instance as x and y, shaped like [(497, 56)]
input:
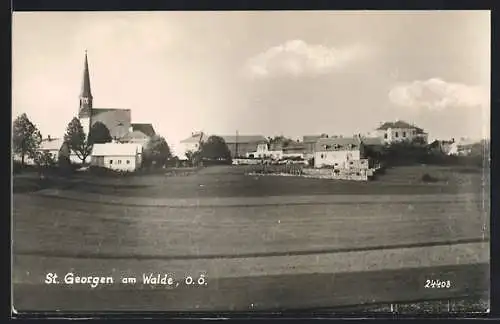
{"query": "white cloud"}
[(297, 58), (436, 94)]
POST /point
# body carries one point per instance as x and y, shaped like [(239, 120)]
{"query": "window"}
[(110, 161), (322, 156), (119, 161), (385, 135), (351, 163), (336, 164), (404, 134), (396, 134), (128, 161)]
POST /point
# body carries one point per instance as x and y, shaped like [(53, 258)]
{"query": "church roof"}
[(96, 111), (134, 135), (147, 129)]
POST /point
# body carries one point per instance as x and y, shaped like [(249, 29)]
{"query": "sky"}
[(268, 73)]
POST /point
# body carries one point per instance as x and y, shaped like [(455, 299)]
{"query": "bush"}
[(428, 178), (101, 171)]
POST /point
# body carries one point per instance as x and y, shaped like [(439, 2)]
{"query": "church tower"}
[(85, 110)]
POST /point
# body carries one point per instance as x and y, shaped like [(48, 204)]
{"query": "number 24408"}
[(437, 283)]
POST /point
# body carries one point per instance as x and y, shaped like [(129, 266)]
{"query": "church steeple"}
[(85, 94)]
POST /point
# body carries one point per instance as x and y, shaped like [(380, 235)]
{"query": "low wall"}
[(330, 174)]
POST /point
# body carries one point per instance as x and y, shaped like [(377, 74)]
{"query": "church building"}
[(118, 122)]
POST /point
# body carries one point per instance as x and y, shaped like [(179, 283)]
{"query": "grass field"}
[(245, 231), (231, 181)]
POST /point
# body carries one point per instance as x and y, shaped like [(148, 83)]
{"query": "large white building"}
[(399, 131), (338, 152), (117, 156)]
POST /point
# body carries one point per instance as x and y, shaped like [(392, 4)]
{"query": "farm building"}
[(265, 150), (117, 156), (192, 143), (294, 149), (309, 142), (337, 151), (240, 145)]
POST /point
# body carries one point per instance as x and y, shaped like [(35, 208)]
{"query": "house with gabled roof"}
[(399, 131), (339, 152)]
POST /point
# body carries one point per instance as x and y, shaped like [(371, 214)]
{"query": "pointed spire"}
[(86, 93)]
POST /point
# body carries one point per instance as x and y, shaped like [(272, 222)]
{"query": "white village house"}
[(339, 152), (117, 156), (399, 131), (191, 144)]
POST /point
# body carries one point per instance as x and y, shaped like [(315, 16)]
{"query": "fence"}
[(292, 169)]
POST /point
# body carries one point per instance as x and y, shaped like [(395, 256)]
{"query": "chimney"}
[(48, 137)]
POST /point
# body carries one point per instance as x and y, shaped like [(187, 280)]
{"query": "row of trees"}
[(417, 151), (27, 139)]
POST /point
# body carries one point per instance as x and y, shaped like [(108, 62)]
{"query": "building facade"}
[(338, 152), (399, 131), (117, 156)]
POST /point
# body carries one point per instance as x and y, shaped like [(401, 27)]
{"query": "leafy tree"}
[(215, 148), (25, 138), (156, 151), (193, 157), (44, 159), (76, 140), (99, 133)]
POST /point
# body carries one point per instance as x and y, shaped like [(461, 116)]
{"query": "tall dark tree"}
[(99, 133), (215, 148), (25, 138), (76, 140), (156, 151)]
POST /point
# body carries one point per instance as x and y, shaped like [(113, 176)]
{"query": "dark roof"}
[(275, 146), (134, 135), (310, 138), (86, 80), (398, 124), (147, 129), (96, 111), (294, 146), (372, 141), (343, 142), (244, 139)]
